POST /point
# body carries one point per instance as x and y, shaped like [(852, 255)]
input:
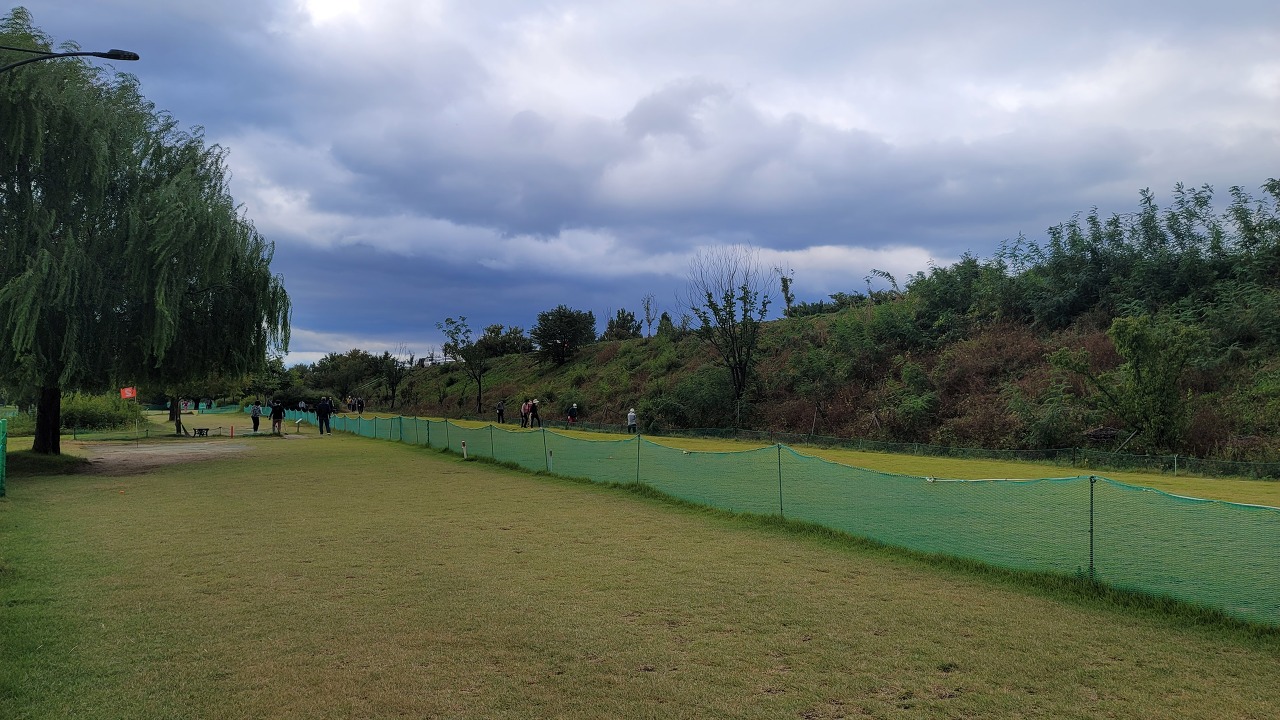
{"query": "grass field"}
[(340, 577)]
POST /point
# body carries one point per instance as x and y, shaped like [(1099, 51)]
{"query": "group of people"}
[(529, 414), (322, 409), (275, 410), (355, 405)]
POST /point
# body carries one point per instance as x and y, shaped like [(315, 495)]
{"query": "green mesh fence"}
[(1216, 554)]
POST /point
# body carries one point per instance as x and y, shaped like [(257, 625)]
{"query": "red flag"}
[(128, 393)]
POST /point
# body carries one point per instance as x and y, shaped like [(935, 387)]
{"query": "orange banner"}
[(128, 393)]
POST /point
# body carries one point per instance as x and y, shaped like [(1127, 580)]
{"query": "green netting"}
[(1022, 525), (1214, 553), (1217, 554), (740, 481)]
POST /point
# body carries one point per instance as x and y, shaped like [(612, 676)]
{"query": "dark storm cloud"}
[(495, 159)]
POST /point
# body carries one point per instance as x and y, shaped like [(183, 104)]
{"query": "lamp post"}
[(42, 55)]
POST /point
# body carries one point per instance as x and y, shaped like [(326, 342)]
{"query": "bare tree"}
[(650, 312), (729, 295), (394, 369)]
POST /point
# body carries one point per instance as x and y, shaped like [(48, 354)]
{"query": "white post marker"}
[(551, 461), (464, 449)]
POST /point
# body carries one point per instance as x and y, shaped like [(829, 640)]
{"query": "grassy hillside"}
[(993, 387)]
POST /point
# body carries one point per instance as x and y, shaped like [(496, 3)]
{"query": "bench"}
[(201, 432)]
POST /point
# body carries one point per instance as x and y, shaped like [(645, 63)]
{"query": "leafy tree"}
[(472, 355), (820, 367), (511, 341), (394, 369), (345, 373), (786, 278), (124, 258), (728, 294), (562, 332), (666, 328), (1145, 391), (622, 326), (267, 380)]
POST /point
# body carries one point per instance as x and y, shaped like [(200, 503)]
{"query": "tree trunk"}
[(48, 439)]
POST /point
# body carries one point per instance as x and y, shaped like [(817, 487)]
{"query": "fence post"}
[(546, 457), (1175, 465), (492, 454), (1093, 480), (637, 458), (779, 446), (446, 434)]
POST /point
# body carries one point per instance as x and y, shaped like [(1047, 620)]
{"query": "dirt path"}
[(129, 459)]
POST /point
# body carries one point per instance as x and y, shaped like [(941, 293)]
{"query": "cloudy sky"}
[(415, 160)]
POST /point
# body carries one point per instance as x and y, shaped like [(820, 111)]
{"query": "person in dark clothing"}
[(533, 413), (277, 416), (359, 406), (573, 414), (323, 409), (502, 411), (255, 412)]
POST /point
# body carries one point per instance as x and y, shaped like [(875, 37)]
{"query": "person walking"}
[(359, 406), (277, 416), (255, 412), (524, 413), (533, 413), (573, 414), (323, 409), (631, 420), (502, 412)]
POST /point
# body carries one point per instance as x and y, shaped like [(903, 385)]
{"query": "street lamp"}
[(42, 55)]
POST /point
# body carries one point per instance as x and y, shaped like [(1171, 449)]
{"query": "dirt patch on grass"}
[(125, 459)]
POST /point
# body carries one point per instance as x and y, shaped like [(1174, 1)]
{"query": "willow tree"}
[(123, 257)]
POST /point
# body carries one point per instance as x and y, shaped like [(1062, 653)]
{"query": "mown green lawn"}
[(342, 577)]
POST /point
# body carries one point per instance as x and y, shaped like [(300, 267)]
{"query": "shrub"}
[(98, 412), (21, 425)]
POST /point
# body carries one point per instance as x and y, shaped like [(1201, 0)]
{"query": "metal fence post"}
[(779, 445), (1093, 480)]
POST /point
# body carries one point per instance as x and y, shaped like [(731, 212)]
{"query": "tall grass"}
[(339, 577)]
